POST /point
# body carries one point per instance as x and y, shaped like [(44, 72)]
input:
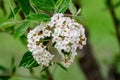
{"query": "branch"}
[(50, 77), (115, 20)]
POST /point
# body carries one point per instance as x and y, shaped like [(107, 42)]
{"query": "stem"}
[(50, 77), (87, 62)]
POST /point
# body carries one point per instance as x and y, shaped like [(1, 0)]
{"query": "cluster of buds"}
[(63, 34)]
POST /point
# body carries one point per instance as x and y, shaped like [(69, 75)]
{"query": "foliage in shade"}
[(25, 4), (28, 61), (16, 9)]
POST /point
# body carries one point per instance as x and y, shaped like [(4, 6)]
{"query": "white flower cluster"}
[(39, 52), (64, 33)]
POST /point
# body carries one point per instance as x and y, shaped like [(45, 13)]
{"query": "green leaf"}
[(81, 20), (21, 30), (6, 24), (72, 8), (28, 61), (46, 5), (64, 6), (12, 61), (38, 17), (44, 68), (2, 68), (78, 12), (16, 9), (14, 69), (23, 39), (59, 64), (25, 4), (31, 71), (59, 2)]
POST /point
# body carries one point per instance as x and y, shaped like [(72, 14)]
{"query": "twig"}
[(50, 77)]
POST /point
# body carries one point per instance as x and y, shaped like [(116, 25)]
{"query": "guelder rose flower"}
[(62, 33)]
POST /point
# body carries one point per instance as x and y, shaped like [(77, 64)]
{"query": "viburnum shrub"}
[(52, 35)]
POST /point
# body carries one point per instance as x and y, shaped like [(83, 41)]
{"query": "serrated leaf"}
[(72, 8), (81, 20), (6, 24), (16, 9), (25, 4), (38, 17), (28, 61), (59, 64), (46, 5), (21, 30), (64, 6)]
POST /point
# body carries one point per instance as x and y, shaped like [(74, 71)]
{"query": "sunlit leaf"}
[(28, 61), (72, 8), (59, 2), (6, 24)]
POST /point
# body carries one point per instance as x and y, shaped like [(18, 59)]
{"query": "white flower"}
[(66, 35), (40, 54)]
